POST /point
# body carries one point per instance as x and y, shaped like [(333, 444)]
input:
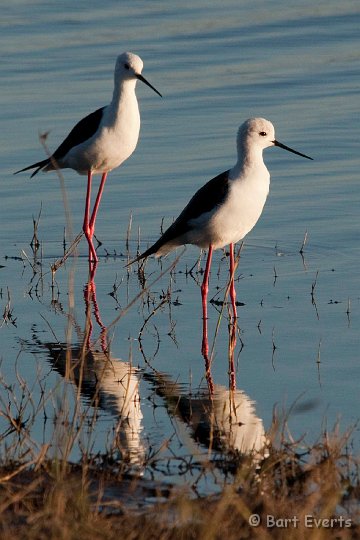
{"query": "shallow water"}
[(215, 66)]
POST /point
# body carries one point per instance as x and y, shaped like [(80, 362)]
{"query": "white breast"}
[(113, 143), (235, 217)]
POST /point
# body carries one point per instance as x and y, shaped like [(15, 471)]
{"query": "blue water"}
[(216, 65)]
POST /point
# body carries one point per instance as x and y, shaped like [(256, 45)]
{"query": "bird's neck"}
[(250, 164), (123, 92), (124, 101)]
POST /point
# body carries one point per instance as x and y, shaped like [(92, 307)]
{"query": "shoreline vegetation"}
[(293, 492)]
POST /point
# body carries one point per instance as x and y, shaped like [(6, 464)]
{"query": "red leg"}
[(204, 293), (232, 345), (232, 286), (97, 202), (86, 225), (232, 327), (87, 203)]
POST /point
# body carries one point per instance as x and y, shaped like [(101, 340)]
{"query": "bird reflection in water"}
[(91, 304), (106, 383), (224, 417), (221, 419)]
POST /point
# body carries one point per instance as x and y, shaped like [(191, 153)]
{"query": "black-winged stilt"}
[(101, 141), (225, 209)]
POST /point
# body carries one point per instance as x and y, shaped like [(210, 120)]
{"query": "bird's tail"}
[(165, 244), (37, 166), (143, 255)]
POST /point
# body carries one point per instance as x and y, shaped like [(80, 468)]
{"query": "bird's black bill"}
[(142, 79), (280, 145)]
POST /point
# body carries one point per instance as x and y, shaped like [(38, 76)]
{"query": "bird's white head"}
[(255, 133), (128, 68), (258, 134)]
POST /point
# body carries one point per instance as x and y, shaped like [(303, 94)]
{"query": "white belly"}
[(103, 152), (234, 219), (113, 143)]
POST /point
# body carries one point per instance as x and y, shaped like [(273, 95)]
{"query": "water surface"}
[(215, 66)]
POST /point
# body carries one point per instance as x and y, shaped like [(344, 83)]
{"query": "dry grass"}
[(53, 499)]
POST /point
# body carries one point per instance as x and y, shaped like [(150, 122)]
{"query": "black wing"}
[(208, 197), (82, 131)]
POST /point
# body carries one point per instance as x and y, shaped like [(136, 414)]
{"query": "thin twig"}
[(303, 243), (57, 264)]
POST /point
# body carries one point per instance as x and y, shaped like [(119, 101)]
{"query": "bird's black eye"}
[(263, 133), (126, 66)]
